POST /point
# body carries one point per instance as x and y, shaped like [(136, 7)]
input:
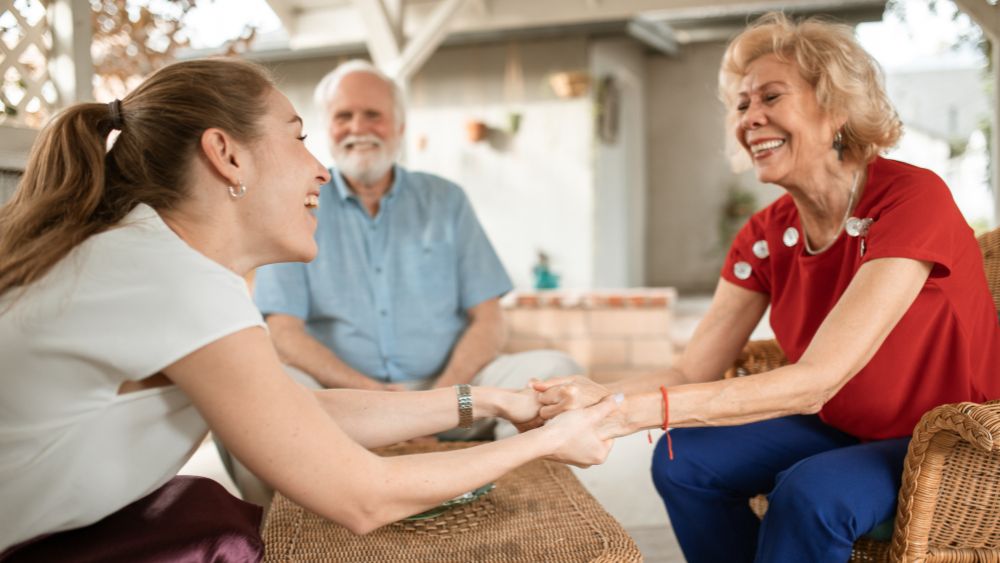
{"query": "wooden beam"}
[(381, 38), (328, 23), (482, 7), (396, 10), (423, 45), (654, 34), (286, 14)]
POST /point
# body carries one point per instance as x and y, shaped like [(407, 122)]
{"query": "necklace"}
[(843, 222)]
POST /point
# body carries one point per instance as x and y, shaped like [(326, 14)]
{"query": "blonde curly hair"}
[(847, 80)]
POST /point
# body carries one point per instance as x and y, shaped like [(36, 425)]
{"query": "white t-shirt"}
[(121, 306)]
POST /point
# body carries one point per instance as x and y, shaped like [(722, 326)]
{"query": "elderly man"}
[(404, 293)]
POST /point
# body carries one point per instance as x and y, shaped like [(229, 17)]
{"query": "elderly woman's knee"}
[(807, 490)]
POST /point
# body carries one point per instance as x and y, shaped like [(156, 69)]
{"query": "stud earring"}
[(238, 193), (838, 145)]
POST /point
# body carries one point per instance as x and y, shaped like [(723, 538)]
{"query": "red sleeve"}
[(918, 220), (742, 267)]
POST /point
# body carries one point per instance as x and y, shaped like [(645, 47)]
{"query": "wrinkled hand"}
[(561, 394), (585, 436)]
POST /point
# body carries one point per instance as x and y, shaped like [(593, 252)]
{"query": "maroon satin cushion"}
[(190, 519)]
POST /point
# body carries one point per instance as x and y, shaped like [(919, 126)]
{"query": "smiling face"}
[(364, 133), (781, 124), (283, 188)]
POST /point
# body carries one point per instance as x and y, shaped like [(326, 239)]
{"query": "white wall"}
[(533, 189), (689, 172), (620, 180)]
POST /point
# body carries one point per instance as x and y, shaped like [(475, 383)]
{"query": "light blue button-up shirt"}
[(389, 294)]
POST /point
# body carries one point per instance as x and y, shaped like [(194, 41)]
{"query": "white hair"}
[(327, 87)]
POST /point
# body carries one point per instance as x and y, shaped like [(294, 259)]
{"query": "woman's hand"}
[(520, 408), (561, 394), (585, 436)]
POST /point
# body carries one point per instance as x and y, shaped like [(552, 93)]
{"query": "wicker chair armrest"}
[(757, 356), (936, 441), (978, 424)]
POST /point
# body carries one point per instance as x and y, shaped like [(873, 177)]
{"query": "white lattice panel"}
[(27, 95)]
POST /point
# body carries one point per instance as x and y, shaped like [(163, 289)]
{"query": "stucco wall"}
[(533, 189), (689, 172), (620, 179)]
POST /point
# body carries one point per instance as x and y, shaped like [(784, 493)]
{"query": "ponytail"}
[(62, 187)]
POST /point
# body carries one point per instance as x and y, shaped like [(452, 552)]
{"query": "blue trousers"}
[(825, 490)]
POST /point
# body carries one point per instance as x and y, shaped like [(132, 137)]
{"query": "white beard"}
[(366, 167)]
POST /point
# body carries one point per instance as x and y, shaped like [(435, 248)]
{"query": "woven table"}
[(538, 512)]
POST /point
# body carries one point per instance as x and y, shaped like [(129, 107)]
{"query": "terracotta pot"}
[(475, 131)]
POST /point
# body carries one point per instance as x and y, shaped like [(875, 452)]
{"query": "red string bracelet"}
[(666, 420)]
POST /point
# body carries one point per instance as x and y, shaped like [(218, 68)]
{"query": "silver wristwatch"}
[(464, 405)]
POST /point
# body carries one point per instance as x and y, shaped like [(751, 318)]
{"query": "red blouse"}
[(946, 347)]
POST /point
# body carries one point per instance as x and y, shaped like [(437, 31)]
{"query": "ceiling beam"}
[(331, 23), (730, 9), (381, 40), (396, 9), (423, 45), (654, 34), (285, 11), (481, 6)]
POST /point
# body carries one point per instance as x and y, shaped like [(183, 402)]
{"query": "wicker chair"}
[(949, 501)]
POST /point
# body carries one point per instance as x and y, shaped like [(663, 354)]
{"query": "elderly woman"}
[(877, 296), (126, 332)]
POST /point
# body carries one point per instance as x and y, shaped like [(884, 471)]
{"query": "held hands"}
[(561, 394)]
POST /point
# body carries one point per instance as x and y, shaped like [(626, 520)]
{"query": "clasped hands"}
[(574, 405)]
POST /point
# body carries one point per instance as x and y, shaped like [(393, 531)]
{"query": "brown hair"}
[(73, 188), (848, 81)]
